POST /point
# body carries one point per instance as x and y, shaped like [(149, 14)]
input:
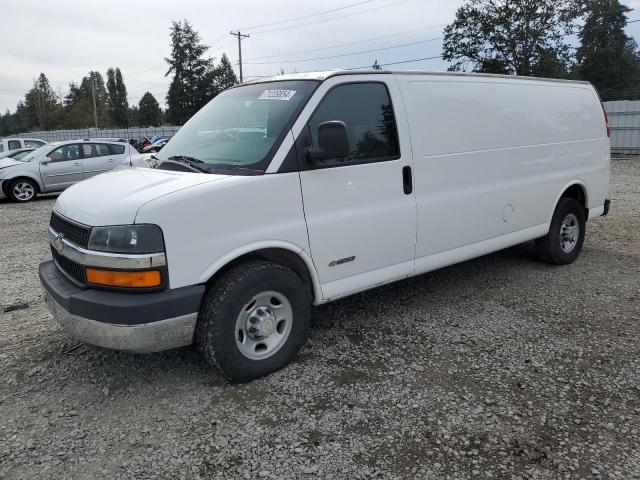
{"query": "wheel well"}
[(577, 192), (280, 256), (6, 183)]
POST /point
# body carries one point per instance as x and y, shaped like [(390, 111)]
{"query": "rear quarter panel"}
[(482, 145)]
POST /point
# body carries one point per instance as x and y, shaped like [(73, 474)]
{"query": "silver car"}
[(56, 166)]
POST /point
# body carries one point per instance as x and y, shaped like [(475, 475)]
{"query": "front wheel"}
[(253, 321), (22, 190), (563, 243)]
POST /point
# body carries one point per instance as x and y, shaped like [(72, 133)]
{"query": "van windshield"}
[(239, 131)]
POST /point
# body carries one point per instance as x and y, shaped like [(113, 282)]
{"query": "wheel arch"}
[(282, 253), (8, 181), (577, 190)]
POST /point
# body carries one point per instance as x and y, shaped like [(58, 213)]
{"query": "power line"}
[(398, 63), (333, 18), (348, 43), (308, 16), (349, 54)]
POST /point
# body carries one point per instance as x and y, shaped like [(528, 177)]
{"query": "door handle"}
[(77, 164), (407, 180), (111, 160)]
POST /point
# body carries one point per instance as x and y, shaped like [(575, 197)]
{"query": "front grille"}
[(73, 232), (71, 268)]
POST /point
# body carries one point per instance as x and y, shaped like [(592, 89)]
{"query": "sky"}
[(65, 39)]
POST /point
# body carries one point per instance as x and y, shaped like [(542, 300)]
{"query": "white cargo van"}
[(298, 190)]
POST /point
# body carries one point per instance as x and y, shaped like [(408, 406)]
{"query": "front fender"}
[(20, 174), (229, 257)]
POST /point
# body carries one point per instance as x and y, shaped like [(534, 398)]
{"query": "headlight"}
[(133, 239)]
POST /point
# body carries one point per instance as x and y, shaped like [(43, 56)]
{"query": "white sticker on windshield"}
[(285, 95)]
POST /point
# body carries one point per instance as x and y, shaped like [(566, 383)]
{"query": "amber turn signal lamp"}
[(110, 278)]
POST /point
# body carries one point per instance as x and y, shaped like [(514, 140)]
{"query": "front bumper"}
[(134, 322)]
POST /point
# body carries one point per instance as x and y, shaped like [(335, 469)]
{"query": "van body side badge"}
[(342, 261)]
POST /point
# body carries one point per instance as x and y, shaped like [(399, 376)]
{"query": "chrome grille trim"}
[(73, 231)]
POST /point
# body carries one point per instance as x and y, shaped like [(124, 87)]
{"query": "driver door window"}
[(367, 112), (65, 153)]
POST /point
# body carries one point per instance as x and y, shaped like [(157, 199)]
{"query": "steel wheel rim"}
[(569, 233), (23, 191), (263, 325)]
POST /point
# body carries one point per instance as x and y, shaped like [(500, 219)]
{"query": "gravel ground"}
[(501, 367)]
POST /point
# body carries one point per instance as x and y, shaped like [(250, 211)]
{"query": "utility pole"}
[(93, 95), (240, 36)]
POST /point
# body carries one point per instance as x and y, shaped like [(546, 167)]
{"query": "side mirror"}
[(333, 142), (45, 161)]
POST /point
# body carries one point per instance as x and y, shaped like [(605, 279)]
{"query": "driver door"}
[(360, 210), (63, 168)]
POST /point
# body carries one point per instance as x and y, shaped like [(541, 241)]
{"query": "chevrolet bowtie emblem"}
[(59, 243)]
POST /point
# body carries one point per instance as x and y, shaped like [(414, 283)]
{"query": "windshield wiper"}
[(190, 161)]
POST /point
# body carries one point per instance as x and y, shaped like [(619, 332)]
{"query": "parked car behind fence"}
[(8, 144)]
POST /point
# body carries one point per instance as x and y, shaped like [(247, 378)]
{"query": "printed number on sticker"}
[(285, 95)]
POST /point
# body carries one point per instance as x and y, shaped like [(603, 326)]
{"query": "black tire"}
[(22, 199), (548, 248), (223, 302)]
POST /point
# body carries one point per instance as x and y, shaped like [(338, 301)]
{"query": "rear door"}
[(98, 158), (361, 215), (120, 153), (64, 168)]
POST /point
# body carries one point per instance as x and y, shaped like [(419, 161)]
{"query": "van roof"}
[(324, 75)]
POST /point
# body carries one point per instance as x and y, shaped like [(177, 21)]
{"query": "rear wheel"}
[(563, 243), (22, 190), (253, 320)]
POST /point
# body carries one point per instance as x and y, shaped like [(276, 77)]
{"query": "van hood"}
[(114, 198), (9, 162)]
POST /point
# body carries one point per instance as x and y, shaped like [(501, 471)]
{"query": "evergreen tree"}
[(5, 122), (118, 104), (223, 75), (149, 113), (133, 115), (190, 88), (41, 103), (22, 119), (79, 102), (607, 56), (517, 37)]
